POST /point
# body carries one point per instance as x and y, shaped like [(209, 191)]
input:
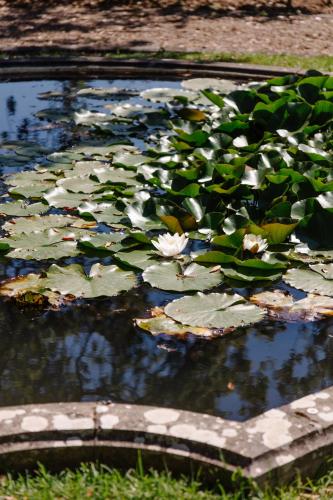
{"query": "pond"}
[(92, 349)]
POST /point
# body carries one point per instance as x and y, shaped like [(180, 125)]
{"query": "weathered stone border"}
[(29, 68), (269, 447)]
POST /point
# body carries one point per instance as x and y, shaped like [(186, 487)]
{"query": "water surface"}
[(92, 350)]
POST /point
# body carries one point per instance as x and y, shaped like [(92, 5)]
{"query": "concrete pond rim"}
[(93, 67)]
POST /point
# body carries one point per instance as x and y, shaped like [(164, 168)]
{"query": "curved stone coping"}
[(268, 447), (34, 68)]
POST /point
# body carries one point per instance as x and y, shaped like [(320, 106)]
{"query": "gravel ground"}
[(246, 26)]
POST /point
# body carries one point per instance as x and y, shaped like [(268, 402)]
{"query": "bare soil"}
[(246, 26)]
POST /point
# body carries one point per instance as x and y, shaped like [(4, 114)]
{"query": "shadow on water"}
[(93, 352)]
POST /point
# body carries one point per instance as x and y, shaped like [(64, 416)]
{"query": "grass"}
[(101, 483), (320, 63)]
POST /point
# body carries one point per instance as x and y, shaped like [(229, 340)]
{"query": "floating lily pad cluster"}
[(239, 176)]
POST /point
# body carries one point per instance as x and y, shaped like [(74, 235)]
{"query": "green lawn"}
[(320, 63), (99, 482)]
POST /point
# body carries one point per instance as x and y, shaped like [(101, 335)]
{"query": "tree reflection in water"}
[(92, 352)]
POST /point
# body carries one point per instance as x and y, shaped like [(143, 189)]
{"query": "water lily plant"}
[(170, 245), (254, 243)]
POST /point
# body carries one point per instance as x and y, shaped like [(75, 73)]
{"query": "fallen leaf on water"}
[(281, 305), (161, 324)]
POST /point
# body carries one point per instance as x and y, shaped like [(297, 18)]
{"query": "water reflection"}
[(93, 352)]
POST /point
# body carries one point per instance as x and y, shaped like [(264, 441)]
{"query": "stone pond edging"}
[(269, 447), (92, 67)]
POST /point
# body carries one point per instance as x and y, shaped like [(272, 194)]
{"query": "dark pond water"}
[(92, 351)]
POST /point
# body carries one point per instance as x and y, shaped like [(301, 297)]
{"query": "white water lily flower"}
[(254, 243), (170, 245)]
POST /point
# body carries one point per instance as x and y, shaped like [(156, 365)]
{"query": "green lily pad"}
[(102, 150), (84, 168), (138, 259), (215, 310), (37, 223), (59, 197), (166, 94), (326, 270), (147, 223), (107, 242), (219, 84), (31, 177), (22, 208), (250, 275), (115, 176), (88, 118), (103, 212), (101, 280), (49, 244), (309, 281), (129, 159), (174, 276), (106, 93)]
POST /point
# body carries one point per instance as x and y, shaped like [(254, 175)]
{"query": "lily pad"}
[(215, 310), (174, 276), (164, 325), (79, 185), (115, 176), (282, 306), (161, 94), (107, 242), (103, 212), (29, 291), (106, 93), (326, 270), (49, 244), (37, 223), (59, 197), (250, 275), (309, 281), (22, 284), (219, 84), (22, 208), (101, 280), (138, 259)]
